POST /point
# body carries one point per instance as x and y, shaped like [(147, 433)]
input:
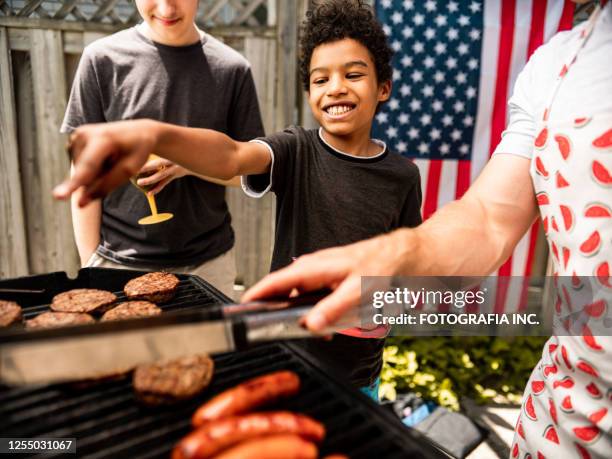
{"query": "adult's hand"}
[(339, 269), (162, 172), (105, 156)]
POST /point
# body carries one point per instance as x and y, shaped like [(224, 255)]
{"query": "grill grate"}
[(107, 421)]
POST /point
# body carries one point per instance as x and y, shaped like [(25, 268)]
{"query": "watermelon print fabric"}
[(567, 405)]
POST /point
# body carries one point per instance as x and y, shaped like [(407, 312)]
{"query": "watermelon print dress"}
[(567, 404)]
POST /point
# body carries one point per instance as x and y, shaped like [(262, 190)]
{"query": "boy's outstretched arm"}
[(106, 155)]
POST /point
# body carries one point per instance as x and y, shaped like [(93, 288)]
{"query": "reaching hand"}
[(339, 269), (162, 172), (105, 156)]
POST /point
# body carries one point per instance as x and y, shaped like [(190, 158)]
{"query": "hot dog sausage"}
[(247, 396), (272, 447), (218, 435)]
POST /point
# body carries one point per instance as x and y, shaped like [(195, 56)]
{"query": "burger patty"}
[(59, 319), (131, 310), (83, 300), (156, 287), (172, 380), (10, 313)]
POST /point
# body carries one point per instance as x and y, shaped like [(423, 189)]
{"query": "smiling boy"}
[(334, 185)]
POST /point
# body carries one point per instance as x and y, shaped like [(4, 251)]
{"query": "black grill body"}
[(108, 422)]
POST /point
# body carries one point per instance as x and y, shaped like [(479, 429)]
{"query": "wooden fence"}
[(40, 46)]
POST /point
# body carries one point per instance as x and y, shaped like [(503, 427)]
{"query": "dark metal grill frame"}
[(108, 421)]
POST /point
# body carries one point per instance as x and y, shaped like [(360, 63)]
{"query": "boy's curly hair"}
[(332, 20)]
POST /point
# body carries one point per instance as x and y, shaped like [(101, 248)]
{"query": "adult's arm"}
[(469, 237), (106, 155)]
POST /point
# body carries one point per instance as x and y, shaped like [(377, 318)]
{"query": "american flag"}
[(454, 69)]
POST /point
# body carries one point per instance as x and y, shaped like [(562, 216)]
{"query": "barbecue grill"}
[(107, 421)]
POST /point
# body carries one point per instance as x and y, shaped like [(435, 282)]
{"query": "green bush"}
[(445, 369)]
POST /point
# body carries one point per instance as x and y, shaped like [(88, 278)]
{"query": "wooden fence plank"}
[(49, 83), (253, 219), (286, 67), (26, 131), (13, 248)]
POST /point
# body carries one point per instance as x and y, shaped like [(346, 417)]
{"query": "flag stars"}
[(408, 4), (437, 105), (441, 20), (406, 60), (463, 48), (459, 106), (428, 91), (440, 48), (425, 119), (449, 92), (418, 47), (439, 76), (397, 18), (382, 118), (391, 132), (452, 34), (433, 107)]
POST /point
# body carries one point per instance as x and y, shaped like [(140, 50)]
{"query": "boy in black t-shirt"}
[(334, 185)]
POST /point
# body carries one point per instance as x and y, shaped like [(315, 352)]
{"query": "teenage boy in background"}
[(164, 69), (334, 185)]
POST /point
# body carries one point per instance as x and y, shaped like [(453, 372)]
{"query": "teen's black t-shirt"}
[(326, 198), (207, 84)]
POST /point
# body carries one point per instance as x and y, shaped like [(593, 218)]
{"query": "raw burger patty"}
[(155, 287), (83, 300), (10, 313), (59, 319), (173, 380), (131, 310)]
